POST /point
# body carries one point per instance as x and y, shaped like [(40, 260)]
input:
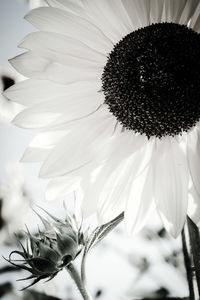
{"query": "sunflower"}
[(114, 89)]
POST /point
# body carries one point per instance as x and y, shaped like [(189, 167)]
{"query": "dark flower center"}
[(151, 80)]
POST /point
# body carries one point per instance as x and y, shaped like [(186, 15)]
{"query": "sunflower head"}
[(113, 87), (50, 251)]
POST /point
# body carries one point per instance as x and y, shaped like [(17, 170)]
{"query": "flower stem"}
[(188, 265), (83, 274), (76, 277), (195, 248)]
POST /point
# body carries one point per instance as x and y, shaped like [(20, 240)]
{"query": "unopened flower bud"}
[(51, 250)]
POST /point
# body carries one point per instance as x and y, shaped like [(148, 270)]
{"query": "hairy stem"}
[(195, 249), (77, 279), (188, 266), (83, 273)]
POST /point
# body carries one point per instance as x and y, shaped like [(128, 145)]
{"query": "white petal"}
[(60, 186), (30, 92), (194, 206), (188, 11), (193, 153), (60, 21), (74, 6), (85, 142), (195, 20), (139, 12), (35, 155), (113, 194), (105, 187), (119, 17), (31, 118), (171, 184), (8, 109), (156, 10), (63, 185), (117, 190), (139, 202), (42, 115), (42, 144), (48, 138), (31, 65), (111, 17), (196, 27), (61, 48), (172, 10)]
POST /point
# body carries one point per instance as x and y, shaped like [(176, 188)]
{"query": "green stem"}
[(195, 248), (188, 266), (83, 263), (80, 285)]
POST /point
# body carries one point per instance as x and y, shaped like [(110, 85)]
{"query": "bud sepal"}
[(50, 251)]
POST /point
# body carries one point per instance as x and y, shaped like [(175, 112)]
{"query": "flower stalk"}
[(78, 281), (195, 250), (188, 265)]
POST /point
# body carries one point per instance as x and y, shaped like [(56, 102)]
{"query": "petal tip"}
[(173, 231), (46, 172), (26, 17), (43, 173), (175, 235), (17, 121), (14, 62)]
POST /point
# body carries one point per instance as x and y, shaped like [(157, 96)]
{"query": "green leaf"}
[(24, 250), (33, 243), (102, 231), (66, 229), (98, 234), (27, 278), (24, 255), (34, 282), (44, 266), (31, 270), (48, 253), (66, 245), (46, 224), (50, 215)]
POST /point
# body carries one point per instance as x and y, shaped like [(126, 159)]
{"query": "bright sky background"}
[(14, 140)]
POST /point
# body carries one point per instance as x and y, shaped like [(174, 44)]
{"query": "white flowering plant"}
[(113, 88)]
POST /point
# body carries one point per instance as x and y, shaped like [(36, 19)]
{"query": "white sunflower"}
[(114, 88)]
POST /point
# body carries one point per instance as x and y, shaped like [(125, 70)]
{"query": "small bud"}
[(51, 250)]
